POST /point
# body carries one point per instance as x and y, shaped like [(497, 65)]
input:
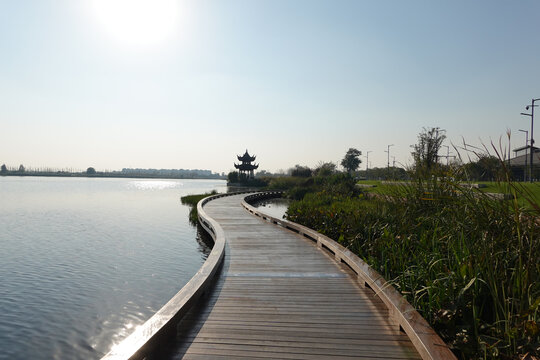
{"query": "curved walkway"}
[(280, 297)]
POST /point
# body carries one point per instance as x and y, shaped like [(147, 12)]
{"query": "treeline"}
[(485, 167), (176, 173), (126, 172), (21, 170)]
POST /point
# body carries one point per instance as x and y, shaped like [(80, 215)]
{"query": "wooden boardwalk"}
[(278, 296)]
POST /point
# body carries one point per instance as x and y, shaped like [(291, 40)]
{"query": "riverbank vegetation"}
[(192, 201), (469, 263)]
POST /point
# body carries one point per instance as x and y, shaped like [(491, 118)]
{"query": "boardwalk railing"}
[(162, 325), (428, 344)]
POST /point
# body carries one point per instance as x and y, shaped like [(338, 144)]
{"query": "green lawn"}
[(531, 190), (523, 191), (379, 188)]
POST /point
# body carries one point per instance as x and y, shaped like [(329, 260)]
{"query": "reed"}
[(469, 263)]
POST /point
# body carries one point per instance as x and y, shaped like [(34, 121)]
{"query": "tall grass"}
[(470, 264)]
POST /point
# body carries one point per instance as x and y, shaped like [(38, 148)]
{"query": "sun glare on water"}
[(137, 23)]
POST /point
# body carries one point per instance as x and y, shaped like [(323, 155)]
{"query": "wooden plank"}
[(311, 340), (292, 352), (371, 331), (314, 333), (293, 345)]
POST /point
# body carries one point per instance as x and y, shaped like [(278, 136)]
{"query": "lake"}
[(84, 261)]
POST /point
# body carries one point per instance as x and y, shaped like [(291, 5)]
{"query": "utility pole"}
[(531, 155), (526, 144), (367, 160), (388, 163), (447, 153), (388, 151)]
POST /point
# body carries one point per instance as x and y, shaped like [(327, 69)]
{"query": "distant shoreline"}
[(111, 175)]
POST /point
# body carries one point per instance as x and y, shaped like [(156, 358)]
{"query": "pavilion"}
[(246, 167)]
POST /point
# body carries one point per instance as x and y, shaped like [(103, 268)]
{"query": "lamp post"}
[(532, 106), (388, 163), (447, 153), (526, 144), (530, 169)]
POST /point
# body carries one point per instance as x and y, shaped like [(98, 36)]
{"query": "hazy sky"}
[(190, 84)]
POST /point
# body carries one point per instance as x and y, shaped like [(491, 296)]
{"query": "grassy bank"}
[(192, 201), (468, 263)]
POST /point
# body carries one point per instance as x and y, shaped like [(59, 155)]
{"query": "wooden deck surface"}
[(280, 297)]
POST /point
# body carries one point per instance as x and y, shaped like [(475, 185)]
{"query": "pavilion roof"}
[(246, 157), (246, 167)]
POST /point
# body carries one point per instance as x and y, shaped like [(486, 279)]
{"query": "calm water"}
[(85, 261), (273, 207)]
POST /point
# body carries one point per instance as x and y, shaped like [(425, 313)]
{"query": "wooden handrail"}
[(148, 337), (428, 344)]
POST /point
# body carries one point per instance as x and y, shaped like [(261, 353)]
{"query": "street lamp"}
[(526, 144), (388, 164), (367, 161), (447, 153), (532, 106)]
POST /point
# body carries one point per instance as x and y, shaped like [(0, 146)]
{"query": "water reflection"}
[(276, 207), (85, 261), (205, 241), (154, 184)]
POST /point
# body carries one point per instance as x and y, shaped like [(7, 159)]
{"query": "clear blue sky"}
[(86, 83)]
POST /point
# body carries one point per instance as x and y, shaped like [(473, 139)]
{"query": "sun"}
[(138, 23)]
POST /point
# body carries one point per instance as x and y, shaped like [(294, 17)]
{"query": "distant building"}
[(522, 156), (521, 162), (246, 167)]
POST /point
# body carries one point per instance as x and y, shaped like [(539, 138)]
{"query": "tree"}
[(21, 168), (426, 151), (4, 169), (243, 177), (486, 168), (301, 171), (351, 161), (233, 177), (382, 173), (90, 171), (324, 169)]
